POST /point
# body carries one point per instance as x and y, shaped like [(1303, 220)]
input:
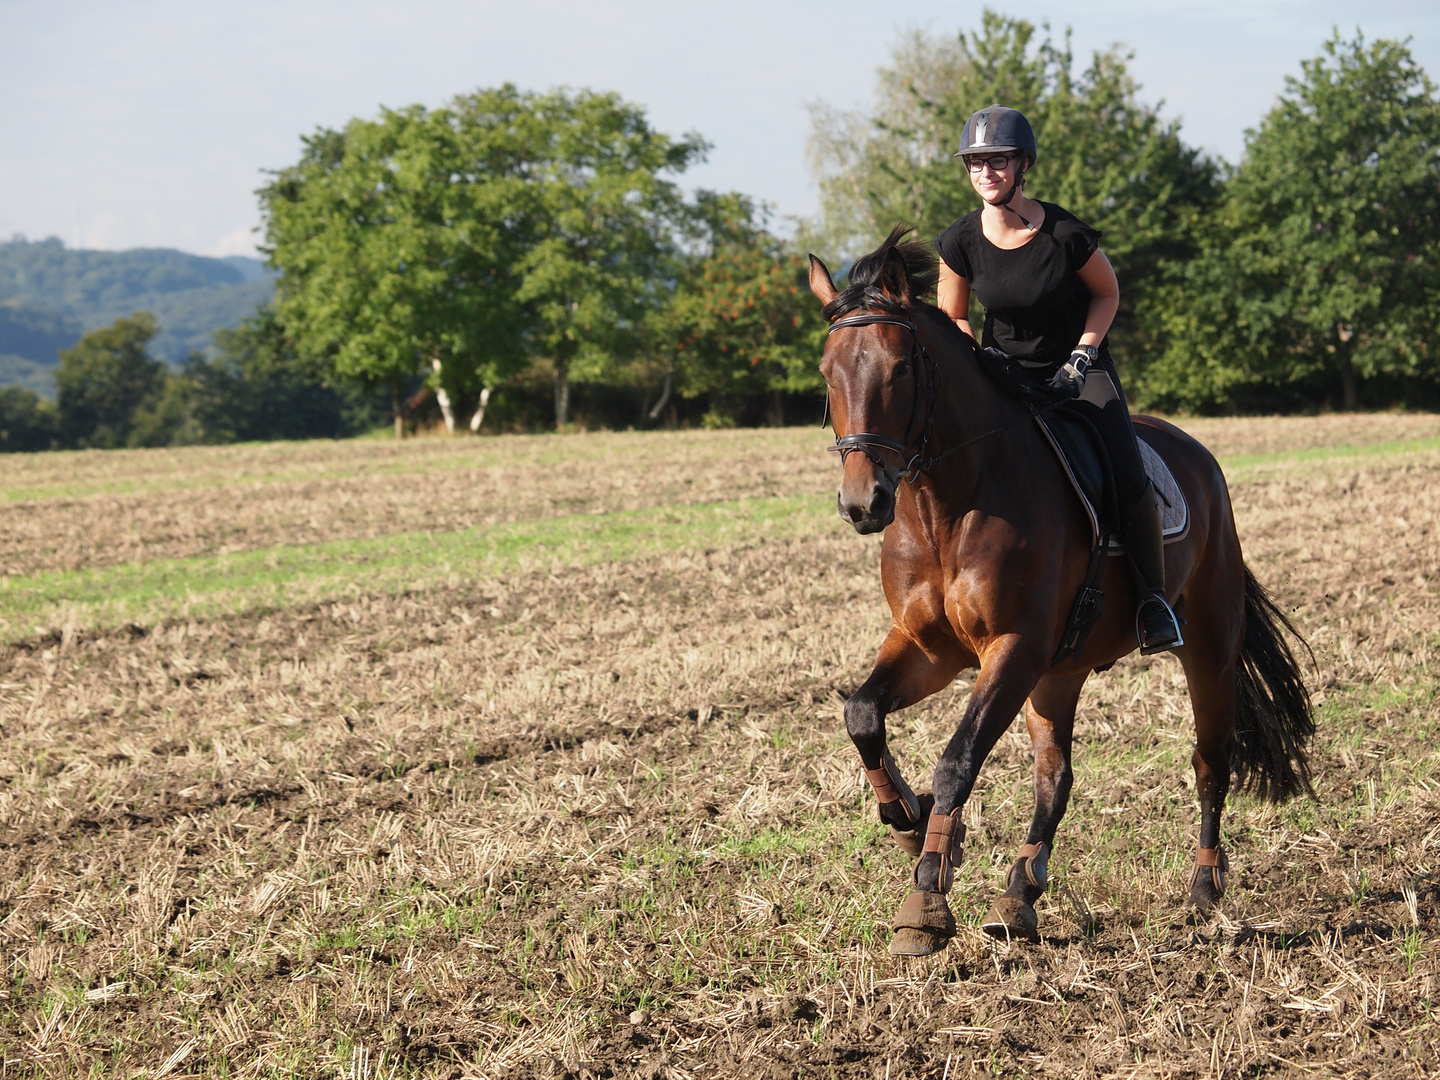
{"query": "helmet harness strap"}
[(1004, 203)]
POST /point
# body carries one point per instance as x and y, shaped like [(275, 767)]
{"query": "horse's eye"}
[(902, 368)]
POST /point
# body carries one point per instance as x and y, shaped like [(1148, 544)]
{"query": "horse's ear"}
[(821, 283), (894, 279)]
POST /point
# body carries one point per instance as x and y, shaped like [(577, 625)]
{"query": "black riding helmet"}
[(999, 130)]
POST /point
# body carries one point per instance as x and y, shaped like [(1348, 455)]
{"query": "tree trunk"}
[(397, 409), (443, 398), (562, 393), (654, 414), (1349, 386), (479, 417)]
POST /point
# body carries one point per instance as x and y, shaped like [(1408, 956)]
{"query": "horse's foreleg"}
[(904, 674), (1008, 671), (1051, 720)]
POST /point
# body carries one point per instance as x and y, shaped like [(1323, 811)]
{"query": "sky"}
[(150, 123)]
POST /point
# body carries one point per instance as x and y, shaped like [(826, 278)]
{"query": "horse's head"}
[(880, 391)]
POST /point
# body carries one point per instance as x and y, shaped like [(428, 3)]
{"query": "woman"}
[(1050, 295)]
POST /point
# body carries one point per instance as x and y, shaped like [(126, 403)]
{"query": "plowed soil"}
[(604, 821)]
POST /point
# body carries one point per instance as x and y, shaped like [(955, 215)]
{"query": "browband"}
[(870, 320)]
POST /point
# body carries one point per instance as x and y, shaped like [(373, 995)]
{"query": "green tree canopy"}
[(1103, 154), (742, 323), (383, 259), (602, 234), (505, 227), (105, 380), (26, 422), (256, 388), (1323, 266)]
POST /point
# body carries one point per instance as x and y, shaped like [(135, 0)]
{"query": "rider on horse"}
[(1050, 295)]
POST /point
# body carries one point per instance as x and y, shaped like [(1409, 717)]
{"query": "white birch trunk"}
[(446, 410), (479, 417), (665, 390)]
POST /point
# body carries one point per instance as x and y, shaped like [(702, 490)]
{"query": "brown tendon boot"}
[(1155, 624)]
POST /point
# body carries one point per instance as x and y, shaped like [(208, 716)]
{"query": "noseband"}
[(870, 444)]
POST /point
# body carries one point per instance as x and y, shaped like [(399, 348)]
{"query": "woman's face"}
[(992, 175)]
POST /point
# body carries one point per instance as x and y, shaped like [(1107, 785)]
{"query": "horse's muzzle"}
[(870, 510)]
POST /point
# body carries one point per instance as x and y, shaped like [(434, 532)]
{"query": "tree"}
[(741, 323), (257, 388), (105, 380), (602, 232), (465, 241), (26, 422), (1104, 155), (367, 252), (1323, 266)]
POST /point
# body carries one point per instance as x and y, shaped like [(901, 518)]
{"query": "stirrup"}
[(1169, 638)]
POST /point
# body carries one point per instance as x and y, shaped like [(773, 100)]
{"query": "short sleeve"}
[(1080, 242), (951, 246)]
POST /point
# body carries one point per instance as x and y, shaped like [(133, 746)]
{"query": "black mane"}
[(863, 289)]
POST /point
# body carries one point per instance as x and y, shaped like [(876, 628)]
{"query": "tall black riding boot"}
[(1140, 530)]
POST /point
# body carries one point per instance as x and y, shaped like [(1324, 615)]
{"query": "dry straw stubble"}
[(605, 820)]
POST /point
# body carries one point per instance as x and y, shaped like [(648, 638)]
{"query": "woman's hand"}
[(1069, 382)]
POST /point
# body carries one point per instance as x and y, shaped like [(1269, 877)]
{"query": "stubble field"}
[(524, 757)]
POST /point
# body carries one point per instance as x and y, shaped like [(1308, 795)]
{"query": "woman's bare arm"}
[(952, 296), (1099, 277)]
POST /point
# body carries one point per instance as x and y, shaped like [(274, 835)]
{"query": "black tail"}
[(1273, 719)]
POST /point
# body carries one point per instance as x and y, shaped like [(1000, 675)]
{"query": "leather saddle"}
[(1083, 458)]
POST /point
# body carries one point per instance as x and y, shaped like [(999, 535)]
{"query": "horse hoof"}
[(910, 942), (1203, 898), (912, 841), (1010, 918), (922, 925), (1207, 884)]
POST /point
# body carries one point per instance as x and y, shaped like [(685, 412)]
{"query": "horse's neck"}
[(968, 405), (973, 420)]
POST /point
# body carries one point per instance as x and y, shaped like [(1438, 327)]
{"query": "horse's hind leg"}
[(1050, 716), (1209, 657), (903, 675)]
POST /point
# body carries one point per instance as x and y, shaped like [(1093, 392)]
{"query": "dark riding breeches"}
[(1103, 404)]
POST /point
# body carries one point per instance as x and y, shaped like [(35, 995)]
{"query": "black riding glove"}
[(1069, 381)]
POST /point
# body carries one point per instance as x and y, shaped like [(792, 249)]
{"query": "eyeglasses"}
[(998, 163)]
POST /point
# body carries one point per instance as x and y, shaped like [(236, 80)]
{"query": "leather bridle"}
[(871, 444)]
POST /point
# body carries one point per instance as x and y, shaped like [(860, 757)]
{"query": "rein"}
[(865, 441)]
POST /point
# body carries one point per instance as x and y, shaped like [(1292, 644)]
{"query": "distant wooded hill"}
[(51, 294)]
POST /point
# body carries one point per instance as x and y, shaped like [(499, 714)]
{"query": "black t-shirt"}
[(1035, 302)]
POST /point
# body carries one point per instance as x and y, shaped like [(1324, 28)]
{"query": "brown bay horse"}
[(985, 548)]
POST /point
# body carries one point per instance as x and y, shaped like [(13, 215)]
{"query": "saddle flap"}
[(1084, 463)]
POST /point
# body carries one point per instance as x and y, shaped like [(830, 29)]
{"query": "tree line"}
[(1304, 277), (511, 254)]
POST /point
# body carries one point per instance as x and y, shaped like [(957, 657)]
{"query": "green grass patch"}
[(285, 576), (1326, 453)]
